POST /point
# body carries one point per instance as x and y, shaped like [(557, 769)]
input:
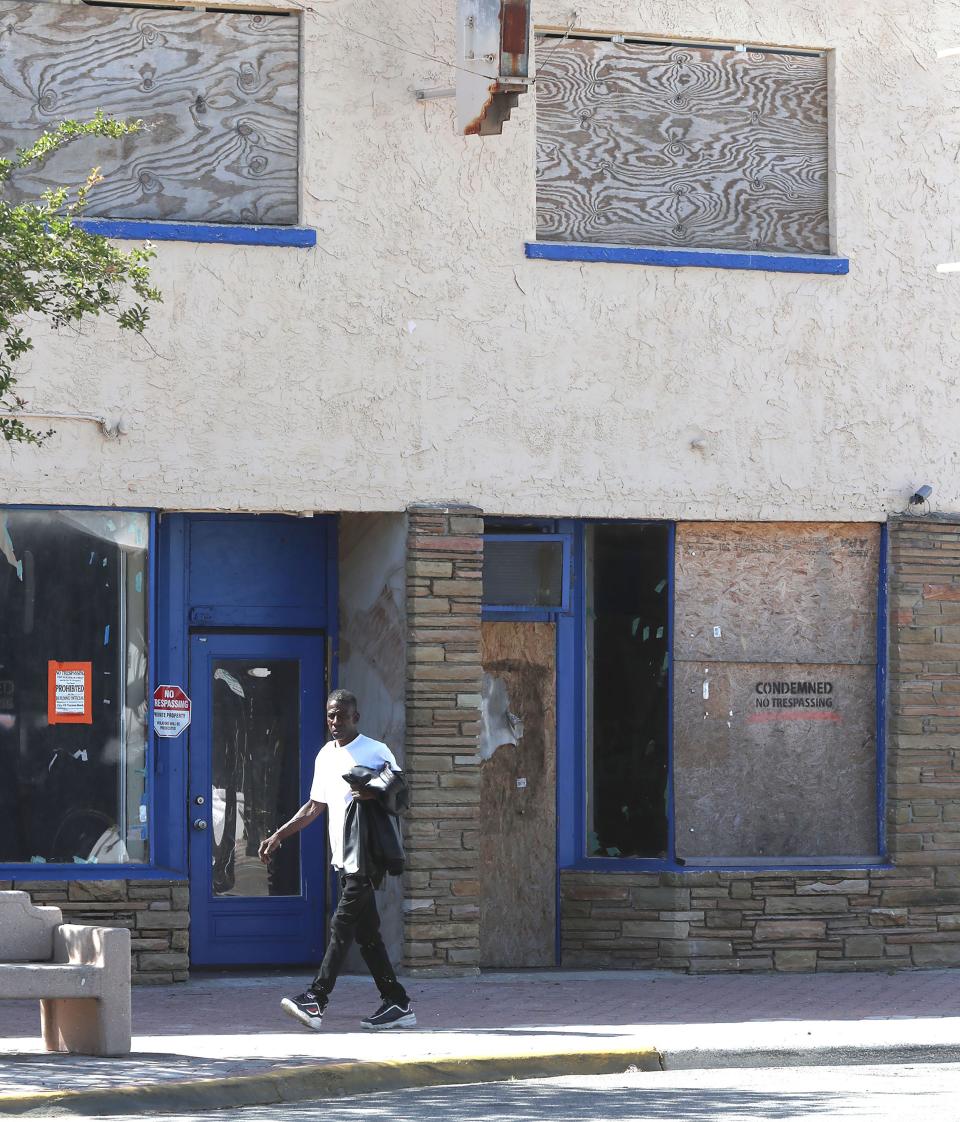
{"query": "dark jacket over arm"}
[(371, 829)]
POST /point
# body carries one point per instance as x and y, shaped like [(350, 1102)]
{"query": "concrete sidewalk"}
[(223, 1040)]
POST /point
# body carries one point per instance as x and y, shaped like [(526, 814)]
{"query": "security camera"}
[(921, 495)]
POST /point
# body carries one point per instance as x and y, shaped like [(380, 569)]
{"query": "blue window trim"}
[(148, 870), (61, 873), (688, 258), (527, 612), (170, 765), (300, 237), (571, 753), (519, 615), (729, 865), (883, 654), (332, 626), (671, 580), (152, 603), (520, 525)]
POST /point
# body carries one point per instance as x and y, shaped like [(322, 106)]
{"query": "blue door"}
[(258, 722)]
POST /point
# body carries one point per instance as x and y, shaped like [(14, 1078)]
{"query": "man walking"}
[(356, 916)]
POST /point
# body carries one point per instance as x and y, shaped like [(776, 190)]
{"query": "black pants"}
[(357, 918)]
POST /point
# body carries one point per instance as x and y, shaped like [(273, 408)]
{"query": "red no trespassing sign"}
[(171, 710)]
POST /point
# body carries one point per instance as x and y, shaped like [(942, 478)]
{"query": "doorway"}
[(518, 795), (258, 722)]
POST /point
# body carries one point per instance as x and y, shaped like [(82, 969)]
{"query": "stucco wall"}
[(415, 354), (372, 567)]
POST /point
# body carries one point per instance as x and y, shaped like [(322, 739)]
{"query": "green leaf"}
[(51, 268)]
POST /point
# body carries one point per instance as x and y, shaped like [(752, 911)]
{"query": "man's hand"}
[(268, 848), (365, 793)]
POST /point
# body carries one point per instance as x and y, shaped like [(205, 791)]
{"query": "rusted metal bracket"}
[(493, 62)]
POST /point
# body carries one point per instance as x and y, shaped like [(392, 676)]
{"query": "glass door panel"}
[(258, 720), (255, 766)]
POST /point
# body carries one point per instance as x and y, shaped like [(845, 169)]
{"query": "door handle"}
[(199, 823)]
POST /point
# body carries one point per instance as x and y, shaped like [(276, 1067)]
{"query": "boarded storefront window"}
[(775, 738), (217, 92), (73, 687), (679, 145)]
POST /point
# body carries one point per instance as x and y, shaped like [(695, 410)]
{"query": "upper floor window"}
[(682, 146), (218, 92)]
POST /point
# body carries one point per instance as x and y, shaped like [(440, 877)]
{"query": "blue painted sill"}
[(131, 871), (689, 258), (140, 230)]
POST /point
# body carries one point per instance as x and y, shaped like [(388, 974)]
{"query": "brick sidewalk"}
[(217, 1026)]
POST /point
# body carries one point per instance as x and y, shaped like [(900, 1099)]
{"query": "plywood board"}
[(776, 592), (645, 144), (774, 760), (518, 798), (218, 93)]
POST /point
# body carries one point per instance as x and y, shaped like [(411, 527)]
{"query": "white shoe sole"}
[(408, 1020), (293, 1010)]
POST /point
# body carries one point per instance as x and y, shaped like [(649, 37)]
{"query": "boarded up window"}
[(681, 146), (775, 690), (217, 91)]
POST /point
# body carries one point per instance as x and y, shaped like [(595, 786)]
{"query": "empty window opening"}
[(627, 669)]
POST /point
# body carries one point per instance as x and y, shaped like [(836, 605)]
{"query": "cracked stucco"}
[(415, 353)]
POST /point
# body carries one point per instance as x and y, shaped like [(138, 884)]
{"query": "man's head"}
[(343, 716)]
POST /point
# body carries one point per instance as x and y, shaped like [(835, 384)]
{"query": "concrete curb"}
[(819, 1055), (321, 1081)]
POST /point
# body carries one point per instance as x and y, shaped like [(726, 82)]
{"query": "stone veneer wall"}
[(154, 910), (853, 919), (844, 919), (444, 583)]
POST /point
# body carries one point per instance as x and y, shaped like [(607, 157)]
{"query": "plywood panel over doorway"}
[(518, 796)]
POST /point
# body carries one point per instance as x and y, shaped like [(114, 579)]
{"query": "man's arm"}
[(304, 816)]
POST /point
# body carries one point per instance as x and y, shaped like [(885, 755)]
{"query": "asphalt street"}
[(889, 1093)]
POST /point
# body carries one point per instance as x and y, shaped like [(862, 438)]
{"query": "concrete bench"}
[(80, 974)]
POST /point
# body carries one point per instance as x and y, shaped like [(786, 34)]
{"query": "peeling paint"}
[(499, 727)]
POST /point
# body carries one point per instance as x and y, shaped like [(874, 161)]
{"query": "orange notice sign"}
[(69, 700)]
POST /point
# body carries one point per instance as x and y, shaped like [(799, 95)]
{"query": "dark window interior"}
[(523, 573), (255, 754), (72, 793), (627, 682)]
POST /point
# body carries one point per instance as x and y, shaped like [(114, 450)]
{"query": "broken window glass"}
[(73, 686)]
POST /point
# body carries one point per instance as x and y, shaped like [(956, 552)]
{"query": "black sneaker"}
[(391, 1015), (307, 1007)]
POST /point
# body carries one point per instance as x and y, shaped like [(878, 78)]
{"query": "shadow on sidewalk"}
[(57, 1071), (535, 1102)]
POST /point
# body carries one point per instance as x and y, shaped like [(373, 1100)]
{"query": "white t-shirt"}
[(329, 786)]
